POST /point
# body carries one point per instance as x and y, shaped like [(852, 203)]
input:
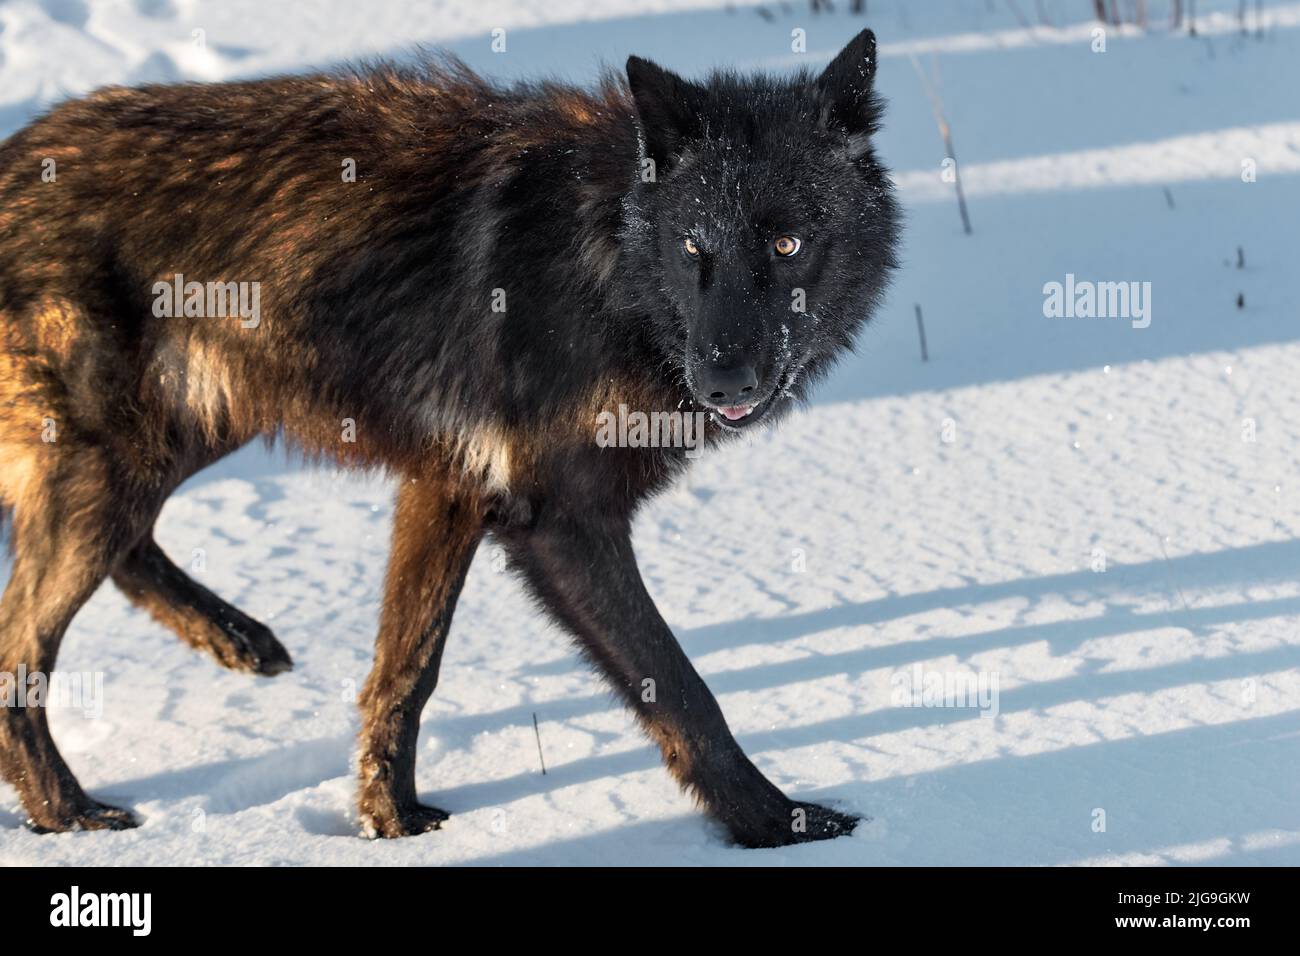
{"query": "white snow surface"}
[(954, 515)]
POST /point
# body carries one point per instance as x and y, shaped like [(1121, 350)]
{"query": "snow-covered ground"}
[(1103, 519)]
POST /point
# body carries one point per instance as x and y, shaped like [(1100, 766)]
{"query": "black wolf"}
[(454, 282)]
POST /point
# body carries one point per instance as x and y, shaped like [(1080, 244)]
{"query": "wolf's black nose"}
[(728, 386)]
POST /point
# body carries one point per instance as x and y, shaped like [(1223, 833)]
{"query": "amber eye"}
[(786, 246), (691, 248)]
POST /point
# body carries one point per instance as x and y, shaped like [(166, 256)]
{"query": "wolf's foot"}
[(247, 645), (410, 820), (85, 814), (804, 823)]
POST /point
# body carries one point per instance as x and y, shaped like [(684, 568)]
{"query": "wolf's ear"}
[(845, 87), (667, 106)]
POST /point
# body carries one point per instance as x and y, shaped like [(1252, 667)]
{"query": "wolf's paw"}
[(804, 823), (410, 820), (823, 823), (86, 814), (250, 646)]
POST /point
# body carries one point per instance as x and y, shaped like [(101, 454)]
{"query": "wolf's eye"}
[(691, 248), (786, 246)]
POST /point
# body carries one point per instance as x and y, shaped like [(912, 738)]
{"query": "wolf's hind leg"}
[(201, 619), (77, 515)]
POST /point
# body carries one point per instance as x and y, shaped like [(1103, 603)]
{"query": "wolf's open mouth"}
[(736, 412), (734, 417)]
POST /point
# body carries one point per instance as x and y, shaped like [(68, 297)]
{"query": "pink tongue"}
[(734, 412)]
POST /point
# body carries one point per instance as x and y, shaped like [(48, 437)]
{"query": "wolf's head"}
[(764, 218)]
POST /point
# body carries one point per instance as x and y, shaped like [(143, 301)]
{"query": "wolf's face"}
[(767, 223)]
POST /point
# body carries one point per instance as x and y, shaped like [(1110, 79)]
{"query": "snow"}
[(951, 515)]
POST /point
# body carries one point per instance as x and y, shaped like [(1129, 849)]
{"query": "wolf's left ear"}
[(845, 88), (667, 106)]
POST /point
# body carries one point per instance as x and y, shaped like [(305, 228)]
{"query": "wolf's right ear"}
[(667, 106), (846, 87)]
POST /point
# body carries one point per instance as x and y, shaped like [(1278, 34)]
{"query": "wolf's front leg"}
[(584, 570), (436, 529)]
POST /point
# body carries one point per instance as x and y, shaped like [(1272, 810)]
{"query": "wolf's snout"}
[(727, 386)]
